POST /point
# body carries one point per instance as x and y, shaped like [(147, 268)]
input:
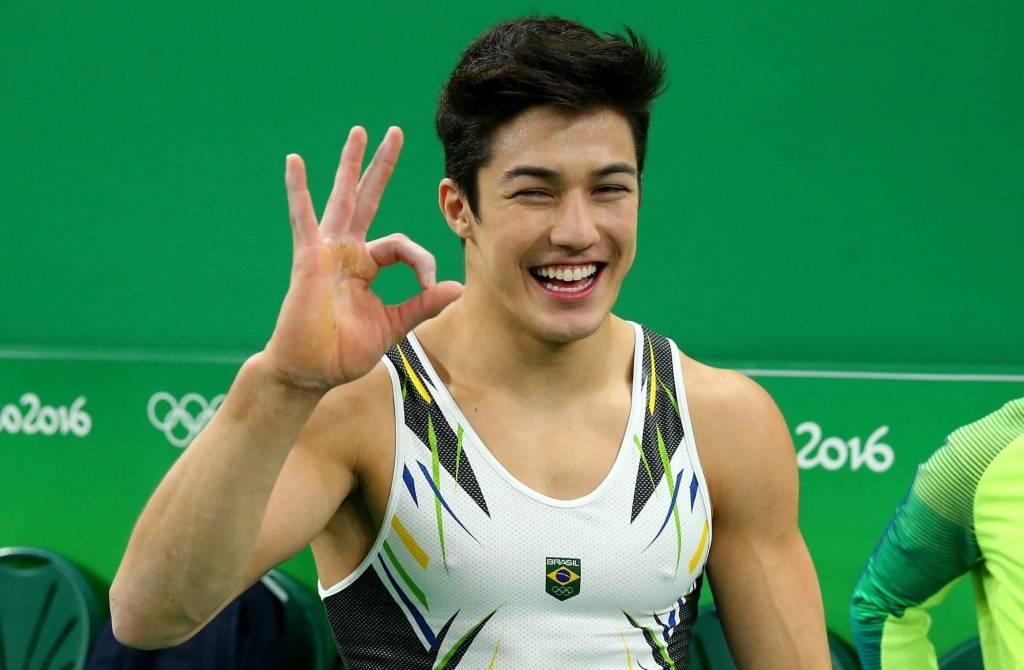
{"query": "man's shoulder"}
[(739, 432), (727, 396), (992, 432), (354, 417), (969, 449), (947, 481), (348, 401)]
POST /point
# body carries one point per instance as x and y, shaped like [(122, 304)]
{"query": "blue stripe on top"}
[(672, 506), (420, 621), (444, 503), (410, 483)]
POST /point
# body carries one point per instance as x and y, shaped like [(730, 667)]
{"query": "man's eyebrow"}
[(614, 168), (528, 171)]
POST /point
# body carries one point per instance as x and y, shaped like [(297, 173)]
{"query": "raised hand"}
[(333, 328)]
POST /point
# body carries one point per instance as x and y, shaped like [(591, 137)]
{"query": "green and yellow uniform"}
[(964, 513)]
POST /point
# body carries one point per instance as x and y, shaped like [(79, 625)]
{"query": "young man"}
[(524, 482), (964, 514)]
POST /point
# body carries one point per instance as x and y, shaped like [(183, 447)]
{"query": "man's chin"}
[(566, 330)]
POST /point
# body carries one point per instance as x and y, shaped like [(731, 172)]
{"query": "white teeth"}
[(569, 289), (562, 273)]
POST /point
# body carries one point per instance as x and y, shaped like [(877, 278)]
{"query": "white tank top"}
[(473, 569)]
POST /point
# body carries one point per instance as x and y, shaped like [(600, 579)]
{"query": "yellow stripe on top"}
[(654, 377), (629, 657), (700, 549), (414, 548), (495, 657), (422, 390)]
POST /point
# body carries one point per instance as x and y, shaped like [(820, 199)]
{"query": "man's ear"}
[(455, 207)]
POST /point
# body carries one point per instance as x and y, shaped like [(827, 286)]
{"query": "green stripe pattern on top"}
[(950, 477), (928, 544)]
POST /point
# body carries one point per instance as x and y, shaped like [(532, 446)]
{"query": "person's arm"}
[(928, 545), (886, 629), (189, 554), (916, 561), (761, 574), (241, 499)]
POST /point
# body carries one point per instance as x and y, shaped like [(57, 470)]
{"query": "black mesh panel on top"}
[(679, 639), (658, 374), (371, 630), (674, 640), (422, 416)]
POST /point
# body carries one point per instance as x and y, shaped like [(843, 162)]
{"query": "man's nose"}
[(576, 227)]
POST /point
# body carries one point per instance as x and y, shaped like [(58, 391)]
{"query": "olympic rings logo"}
[(563, 590), (192, 414)]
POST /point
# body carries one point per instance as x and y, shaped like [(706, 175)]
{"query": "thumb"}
[(422, 306)]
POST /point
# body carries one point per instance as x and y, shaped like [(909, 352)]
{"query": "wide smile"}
[(568, 282)]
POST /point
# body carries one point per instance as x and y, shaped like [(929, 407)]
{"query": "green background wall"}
[(829, 186)]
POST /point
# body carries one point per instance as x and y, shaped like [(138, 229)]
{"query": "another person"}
[(964, 514), (524, 481)]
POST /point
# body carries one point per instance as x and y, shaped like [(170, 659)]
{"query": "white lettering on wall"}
[(31, 417), (833, 453)]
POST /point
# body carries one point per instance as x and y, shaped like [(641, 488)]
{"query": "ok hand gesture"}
[(333, 328)]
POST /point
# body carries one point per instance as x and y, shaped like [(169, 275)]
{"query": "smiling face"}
[(555, 228)]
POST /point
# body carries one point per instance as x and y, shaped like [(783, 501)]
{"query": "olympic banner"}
[(84, 443)]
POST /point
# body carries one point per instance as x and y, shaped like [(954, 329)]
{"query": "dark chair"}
[(248, 634), (274, 625), (844, 657), (964, 656), (309, 634), (48, 613), (709, 650)]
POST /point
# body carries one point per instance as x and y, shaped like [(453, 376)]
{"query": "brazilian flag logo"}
[(563, 577)]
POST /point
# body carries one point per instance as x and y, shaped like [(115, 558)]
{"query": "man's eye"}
[(611, 189), (532, 193)]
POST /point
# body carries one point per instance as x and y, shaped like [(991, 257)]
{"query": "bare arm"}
[(760, 572), (190, 550), (241, 499)]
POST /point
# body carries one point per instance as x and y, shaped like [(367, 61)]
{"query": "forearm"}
[(885, 640), (192, 544), (919, 554), (770, 605)]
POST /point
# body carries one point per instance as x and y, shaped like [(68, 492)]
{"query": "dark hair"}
[(537, 61)]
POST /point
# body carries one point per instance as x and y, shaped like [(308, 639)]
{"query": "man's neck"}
[(479, 345)]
